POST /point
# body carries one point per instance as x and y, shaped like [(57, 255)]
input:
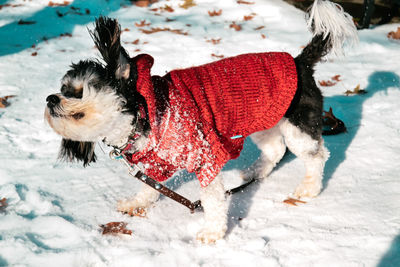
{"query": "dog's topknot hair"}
[(106, 37)]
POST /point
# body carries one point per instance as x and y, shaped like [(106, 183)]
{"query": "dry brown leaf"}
[(237, 27), (244, 2), (65, 3), (155, 30), (263, 36), (114, 228), (3, 204), (34, 54), (259, 28), (142, 23), (394, 35), (10, 5), (142, 3), (214, 41), (217, 56), (3, 101), (215, 13), (167, 8), (187, 4), (336, 78), (293, 201), (326, 83), (356, 91), (249, 17)]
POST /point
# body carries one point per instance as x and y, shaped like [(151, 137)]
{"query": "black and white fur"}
[(99, 102)]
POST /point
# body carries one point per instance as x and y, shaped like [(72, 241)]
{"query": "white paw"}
[(207, 236), (308, 189), (131, 207)]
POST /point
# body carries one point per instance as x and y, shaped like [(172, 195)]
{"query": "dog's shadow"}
[(350, 110)]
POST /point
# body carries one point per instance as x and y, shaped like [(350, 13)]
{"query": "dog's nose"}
[(52, 100)]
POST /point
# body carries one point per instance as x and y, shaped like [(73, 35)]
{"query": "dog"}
[(197, 118)]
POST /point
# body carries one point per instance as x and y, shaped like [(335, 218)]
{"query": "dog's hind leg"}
[(215, 212), (312, 152), (272, 147)]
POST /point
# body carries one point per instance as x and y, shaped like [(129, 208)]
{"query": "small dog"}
[(197, 118)]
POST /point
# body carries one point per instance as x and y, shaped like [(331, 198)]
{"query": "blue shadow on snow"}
[(47, 24), (350, 109), (392, 257)]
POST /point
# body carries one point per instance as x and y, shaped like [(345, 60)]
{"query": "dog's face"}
[(96, 101)]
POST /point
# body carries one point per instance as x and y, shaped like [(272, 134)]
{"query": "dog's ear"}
[(76, 150), (106, 37)]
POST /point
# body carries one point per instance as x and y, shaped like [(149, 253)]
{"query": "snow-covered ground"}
[(55, 208)]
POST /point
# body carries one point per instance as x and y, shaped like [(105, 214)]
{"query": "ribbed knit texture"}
[(210, 104)]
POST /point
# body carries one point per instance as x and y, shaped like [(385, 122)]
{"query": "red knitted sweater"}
[(208, 105)]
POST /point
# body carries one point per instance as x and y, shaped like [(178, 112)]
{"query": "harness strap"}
[(167, 192)]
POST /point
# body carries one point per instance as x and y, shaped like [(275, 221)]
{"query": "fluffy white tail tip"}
[(329, 18)]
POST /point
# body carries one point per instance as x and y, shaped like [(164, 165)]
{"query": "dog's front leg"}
[(140, 202), (215, 212)]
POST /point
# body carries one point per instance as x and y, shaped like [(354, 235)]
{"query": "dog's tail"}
[(331, 28)]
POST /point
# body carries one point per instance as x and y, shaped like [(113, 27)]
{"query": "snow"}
[(55, 208)]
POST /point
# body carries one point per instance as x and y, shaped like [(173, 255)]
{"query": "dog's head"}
[(97, 101)]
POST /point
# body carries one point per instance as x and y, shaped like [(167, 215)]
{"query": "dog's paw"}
[(207, 236), (308, 189), (130, 207)]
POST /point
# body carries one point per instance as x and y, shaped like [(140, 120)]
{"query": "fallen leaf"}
[(259, 28), (336, 78), (293, 201), (3, 204), (169, 20), (394, 35), (237, 27), (125, 30), (142, 23), (217, 56), (326, 83), (10, 5), (331, 124), (263, 36), (187, 4), (65, 3), (356, 91), (155, 30), (167, 8), (214, 41), (249, 17), (26, 22), (114, 228), (34, 54), (215, 13), (244, 2), (141, 3), (3, 101)]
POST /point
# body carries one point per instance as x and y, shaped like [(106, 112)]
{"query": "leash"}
[(138, 174)]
